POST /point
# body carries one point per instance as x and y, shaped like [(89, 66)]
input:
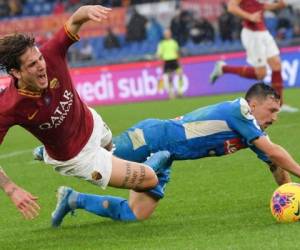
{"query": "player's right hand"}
[(24, 201), (255, 17)]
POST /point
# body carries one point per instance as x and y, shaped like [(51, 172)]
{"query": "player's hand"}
[(255, 17), (24, 201), (97, 12)]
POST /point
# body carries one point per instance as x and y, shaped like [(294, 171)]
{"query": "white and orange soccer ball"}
[(285, 203)]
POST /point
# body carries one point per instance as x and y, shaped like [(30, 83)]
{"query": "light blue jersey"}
[(214, 130)]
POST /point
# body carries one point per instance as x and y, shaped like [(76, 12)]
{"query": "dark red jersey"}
[(57, 117), (252, 6)]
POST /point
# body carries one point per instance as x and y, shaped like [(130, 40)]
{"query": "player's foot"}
[(288, 109), (217, 71), (158, 192), (38, 153), (62, 205)]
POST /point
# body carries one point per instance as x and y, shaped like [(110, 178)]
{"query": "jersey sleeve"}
[(243, 122), (60, 42), (261, 155)]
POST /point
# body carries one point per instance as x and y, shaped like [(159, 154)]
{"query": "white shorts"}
[(259, 46), (93, 163)]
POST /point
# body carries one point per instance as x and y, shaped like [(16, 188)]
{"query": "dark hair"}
[(12, 47), (261, 91)]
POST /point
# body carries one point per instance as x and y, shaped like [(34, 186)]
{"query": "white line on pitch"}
[(13, 154)]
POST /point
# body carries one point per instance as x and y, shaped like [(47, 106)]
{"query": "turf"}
[(212, 203)]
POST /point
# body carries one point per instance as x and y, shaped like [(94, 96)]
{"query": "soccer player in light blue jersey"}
[(214, 130)]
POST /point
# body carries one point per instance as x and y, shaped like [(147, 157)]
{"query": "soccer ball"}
[(285, 203)]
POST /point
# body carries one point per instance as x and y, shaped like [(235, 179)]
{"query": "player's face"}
[(32, 73), (266, 111)]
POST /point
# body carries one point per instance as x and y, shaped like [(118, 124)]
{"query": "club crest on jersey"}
[(233, 145), (54, 83)]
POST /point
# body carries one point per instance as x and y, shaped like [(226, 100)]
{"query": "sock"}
[(277, 83), (112, 207), (158, 160), (243, 71)]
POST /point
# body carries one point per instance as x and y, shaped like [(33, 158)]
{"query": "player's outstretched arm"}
[(86, 13), (278, 155), (24, 201)]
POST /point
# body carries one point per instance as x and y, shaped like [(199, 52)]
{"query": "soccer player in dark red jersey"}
[(42, 99), (259, 44)]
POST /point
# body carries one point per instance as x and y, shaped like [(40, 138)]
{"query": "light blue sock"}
[(113, 207)]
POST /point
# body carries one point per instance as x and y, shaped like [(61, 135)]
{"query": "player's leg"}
[(164, 80), (138, 176), (179, 73), (170, 84), (68, 200), (273, 59), (276, 79), (143, 204), (113, 207), (255, 51)]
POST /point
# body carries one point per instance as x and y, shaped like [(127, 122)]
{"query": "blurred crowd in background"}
[(144, 24)]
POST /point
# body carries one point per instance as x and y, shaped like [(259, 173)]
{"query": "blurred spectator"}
[(111, 40), (226, 24), (4, 8), (16, 7), (202, 31), (284, 25), (180, 27), (296, 23), (136, 27), (154, 30), (86, 51), (40, 39), (59, 7), (72, 5)]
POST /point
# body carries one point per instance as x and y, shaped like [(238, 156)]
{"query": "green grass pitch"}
[(212, 203)]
